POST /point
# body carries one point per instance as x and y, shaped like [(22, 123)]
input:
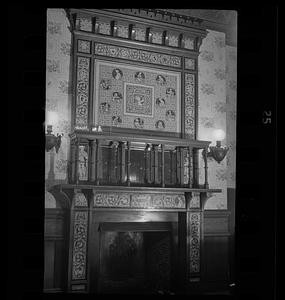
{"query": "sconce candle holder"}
[(52, 140), (217, 152)]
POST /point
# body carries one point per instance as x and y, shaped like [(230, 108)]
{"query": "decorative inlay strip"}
[(137, 200), (190, 104), (195, 222), (82, 92), (138, 55), (79, 245)]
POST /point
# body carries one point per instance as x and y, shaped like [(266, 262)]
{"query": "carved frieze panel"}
[(82, 92), (195, 241), (138, 200), (138, 55), (190, 104), (79, 262)]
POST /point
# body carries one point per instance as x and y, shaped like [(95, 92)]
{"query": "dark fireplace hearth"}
[(135, 261)]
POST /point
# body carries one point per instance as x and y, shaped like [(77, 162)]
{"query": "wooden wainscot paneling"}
[(55, 250), (215, 254)]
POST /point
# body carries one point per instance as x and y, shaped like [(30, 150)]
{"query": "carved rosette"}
[(190, 104), (195, 223), (132, 200), (82, 92), (79, 245), (138, 55)]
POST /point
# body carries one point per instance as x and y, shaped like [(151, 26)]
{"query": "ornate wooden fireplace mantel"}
[(139, 174)]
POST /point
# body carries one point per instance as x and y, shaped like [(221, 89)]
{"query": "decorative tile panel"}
[(173, 39), (104, 27), (140, 34), (138, 55), (138, 200), (84, 46), (189, 63), (138, 100), (156, 37), (134, 97), (189, 43), (80, 200), (190, 104), (82, 92), (79, 245), (195, 240), (122, 30), (195, 200), (85, 24)]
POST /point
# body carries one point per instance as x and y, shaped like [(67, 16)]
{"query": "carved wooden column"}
[(123, 161), (195, 168), (98, 162), (162, 166), (206, 184), (73, 166), (128, 163), (93, 168), (155, 164), (77, 161), (190, 167)]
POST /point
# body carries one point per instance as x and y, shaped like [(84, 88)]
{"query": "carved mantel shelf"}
[(135, 189)]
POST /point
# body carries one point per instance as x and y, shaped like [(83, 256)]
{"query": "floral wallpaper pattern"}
[(58, 89), (231, 60), (212, 111), (217, 110)]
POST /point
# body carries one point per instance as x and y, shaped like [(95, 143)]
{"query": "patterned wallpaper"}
[(58, 96), (141, 98), (212, 110), (231, 72), (217, 110)]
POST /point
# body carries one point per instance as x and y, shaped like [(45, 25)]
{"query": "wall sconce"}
[(217, 152), (52, 140)]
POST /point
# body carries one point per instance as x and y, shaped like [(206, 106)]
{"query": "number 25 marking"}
[(268, 117)]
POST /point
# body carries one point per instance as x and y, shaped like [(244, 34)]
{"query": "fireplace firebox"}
[(137, 260)]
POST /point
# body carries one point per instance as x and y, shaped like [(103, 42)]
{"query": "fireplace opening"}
[(136, 261)]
